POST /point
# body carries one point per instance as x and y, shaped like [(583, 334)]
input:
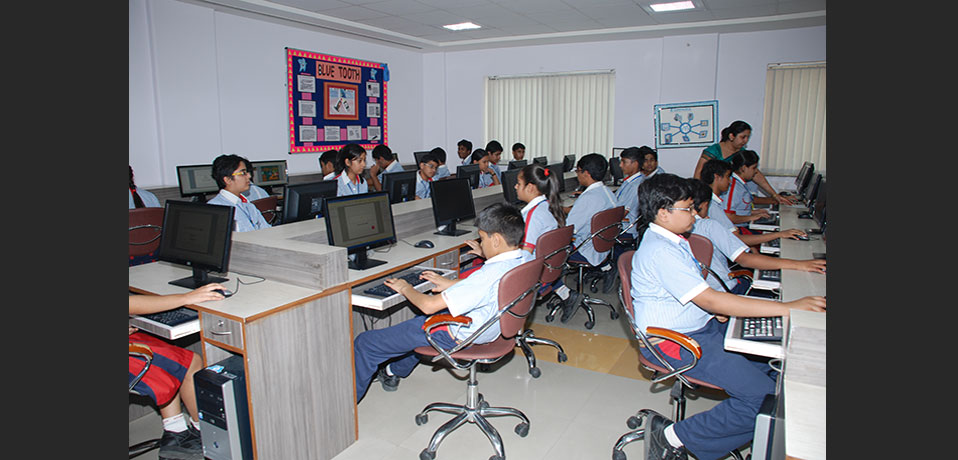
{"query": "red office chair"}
[(605, 226), (146, 226), (702, 251), (552, 249), (660, 368), (145, 353), (517, 294), (267, 206)]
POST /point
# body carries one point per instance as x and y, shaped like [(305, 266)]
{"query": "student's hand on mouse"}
[(809, 303), (205, 293), (792, 233), (396, 284)]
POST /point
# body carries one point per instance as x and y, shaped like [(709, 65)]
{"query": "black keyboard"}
[(766, 328), (767, 220), (173, 317), (382, 290), (776, 243), (770, 275)]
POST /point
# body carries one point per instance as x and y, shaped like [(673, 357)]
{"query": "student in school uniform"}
[(500, 230), (442, 170), (351, 162), (383, 163), (518, 151), (487, 176), (668, 291), (738, 199), (255, 192), (649, 163), (327, 164), (428, 164), (494, 149), (233, 178), (464, 149), (630, 160), (141, 198)]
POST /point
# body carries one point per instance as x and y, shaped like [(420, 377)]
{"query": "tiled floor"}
[(577, 409)]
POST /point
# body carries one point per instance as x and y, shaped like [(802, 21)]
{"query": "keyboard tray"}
[(362, 299)]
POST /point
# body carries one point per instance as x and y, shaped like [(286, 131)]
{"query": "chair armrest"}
[(141, 349), (681, 339), (445, 319), (740, 273)]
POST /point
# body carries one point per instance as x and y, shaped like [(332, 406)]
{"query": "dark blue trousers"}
[(374, 347), (714, 433)]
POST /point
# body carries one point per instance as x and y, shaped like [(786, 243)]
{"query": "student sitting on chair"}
[(518, 151), (494, 149), (233, 178), (351, 161), (442, 170), (169, 379), (464, 149), (141, 198), (630, 160), (726, 246), (383, 162), (738, 199), (487, 176), (390, 350), (649, 163), (428, 164), (255, 192), (327, 164), (668, 291)]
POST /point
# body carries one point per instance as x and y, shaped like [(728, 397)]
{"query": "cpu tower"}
[(223, 410)]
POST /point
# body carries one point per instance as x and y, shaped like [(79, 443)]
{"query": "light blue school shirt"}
[(255, 192), (441, 171), (627, 195), (724, 245), (538, 220), (348, 187), (595, 198), (644, 177), (422, 186), (738, 199), (392, 167), (478, 295), (495, 169), (485, 179), (717, 213), (665, 279), (149, 199), (246, 217)]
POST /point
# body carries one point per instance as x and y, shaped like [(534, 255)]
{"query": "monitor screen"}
[(812, 189), (418, 156), (305, 201), (196, 180), (568, 162), (197, 235), (509, 180), (541, 160), (615, 169), (360, 222), (451, 203), (804, 174), (818, 209), (401, 185), (617, 151), (269, 173), (517, 164), (556, 169), (470, 172)]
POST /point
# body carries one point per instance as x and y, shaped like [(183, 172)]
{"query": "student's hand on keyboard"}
[(396, 284), (760, 214), (132, 330), (809, 303), (437, 279), (785, 199), (792, 233)]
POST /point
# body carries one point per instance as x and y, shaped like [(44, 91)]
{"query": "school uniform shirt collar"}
[(532, 204), (233, 199), (631, 177), (344, 178), (595, 184), (513, 254), (716, 198), (665, 233), (738, 178), (653, 173)]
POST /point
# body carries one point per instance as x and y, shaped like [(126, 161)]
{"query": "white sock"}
[(195, 423), (389, 370), (671, 437), (176, 423), (606, 268), (563, 292)]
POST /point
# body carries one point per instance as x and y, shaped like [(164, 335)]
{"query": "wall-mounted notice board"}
[(334, 101)]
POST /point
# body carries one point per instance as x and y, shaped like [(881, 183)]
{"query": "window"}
[(793, 130), (552, 114)]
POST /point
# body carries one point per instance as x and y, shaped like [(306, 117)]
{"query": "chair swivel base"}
[(526, 340), (638, 433), (585, 303), (144, 447)]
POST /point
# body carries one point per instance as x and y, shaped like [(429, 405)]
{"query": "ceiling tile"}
[(354, 13), (312, 5), (399, 7)]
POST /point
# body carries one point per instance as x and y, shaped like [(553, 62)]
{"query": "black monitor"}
[(543, 161), (509, 180), (470, 172), (812, 190), (196, 180), (568, 162), (451, 203), (418, 156), (615, 170), (517, 164), (269, 173), (198, 235), (401, 185), (818, 208), (358, 223), (305, 201), (556, 169), (804, 174)]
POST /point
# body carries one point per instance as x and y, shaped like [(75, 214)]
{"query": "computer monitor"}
[(470, 172), (543, 161), (451, 203), (358, 223), (401, 185), (812, 190), (568, 162), (418, 156), (818, 208), (269, 173), (615, 170), (305, 201), (196, 180), (509, 180), (198, 235), (517, 164), (804, 174), (556, 169), (617, 151)]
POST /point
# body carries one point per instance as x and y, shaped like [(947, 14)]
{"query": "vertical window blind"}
[(793, 130), (552, 114)]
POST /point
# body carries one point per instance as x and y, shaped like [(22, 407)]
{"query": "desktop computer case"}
[(223, 410)]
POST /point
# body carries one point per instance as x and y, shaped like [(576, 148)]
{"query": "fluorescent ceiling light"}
[(674, 6), (462, 26)]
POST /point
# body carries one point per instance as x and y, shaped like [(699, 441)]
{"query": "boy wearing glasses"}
[(428, 165), (232, 178), (668, 292)]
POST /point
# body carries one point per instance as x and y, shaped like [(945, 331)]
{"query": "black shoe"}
[(608, 281), (185, 445), (656, 446), (390, 382), (570, 305)]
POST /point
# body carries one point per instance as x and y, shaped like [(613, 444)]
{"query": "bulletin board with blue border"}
[(334, 101), (686, 124)]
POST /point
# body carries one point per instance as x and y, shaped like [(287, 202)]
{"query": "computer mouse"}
[(425, 244), (224, 292), (802, 237)]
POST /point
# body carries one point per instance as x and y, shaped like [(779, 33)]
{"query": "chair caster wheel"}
[(483, 405), (549, 318), (633, 422), (589, 324), (593, 289), (615, 314), (522, 429), (495, 457), (535, 372), (426, 455), (618, 455), (563, 358), (421, 419)]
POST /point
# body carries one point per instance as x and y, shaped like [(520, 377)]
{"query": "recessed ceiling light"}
[(462, 26), (674, 6)]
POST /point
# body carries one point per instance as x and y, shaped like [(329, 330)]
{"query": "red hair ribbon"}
[(546, 172)]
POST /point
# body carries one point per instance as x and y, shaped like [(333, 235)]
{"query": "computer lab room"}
[(477, 229)]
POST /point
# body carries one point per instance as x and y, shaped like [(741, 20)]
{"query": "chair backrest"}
[(624, 265), (146, 225), (605, 239), (267, 206), (548, 251), (702, 250), (516, 283)]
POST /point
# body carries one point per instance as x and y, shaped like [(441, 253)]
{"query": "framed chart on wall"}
[(685, 124), (334, 101)]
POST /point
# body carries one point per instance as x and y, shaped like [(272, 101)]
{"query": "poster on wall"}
[(333, 101), (686, 124)]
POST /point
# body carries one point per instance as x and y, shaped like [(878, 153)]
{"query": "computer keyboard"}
[(770, 275), (776, 243), (773, 220), (765, 328), (173, 317), (381, 290)]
